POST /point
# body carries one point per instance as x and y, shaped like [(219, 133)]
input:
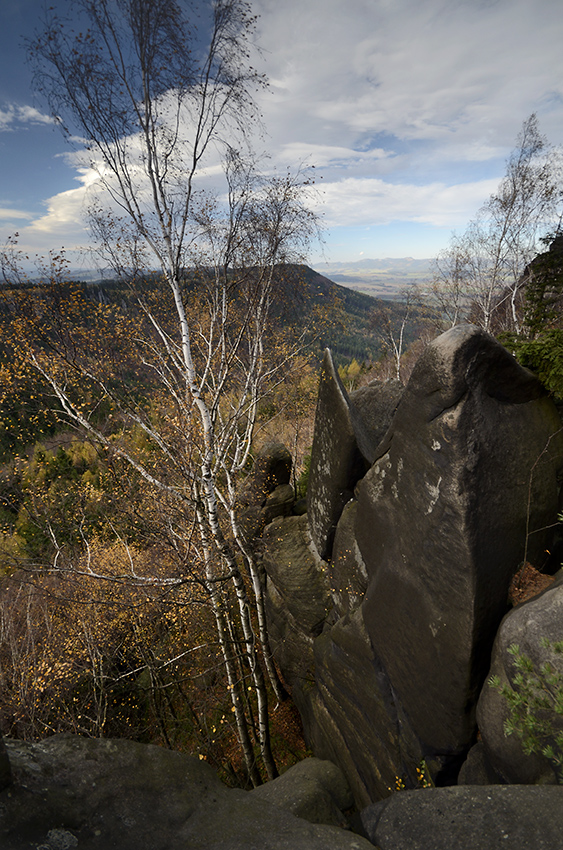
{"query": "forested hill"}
[(334, 315), (348, 315)]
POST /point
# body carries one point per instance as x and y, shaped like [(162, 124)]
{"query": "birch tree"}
[(389, 325), (480, 275), (155, 108)]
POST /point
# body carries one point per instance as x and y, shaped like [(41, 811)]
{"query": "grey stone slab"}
[(119, 795), (497, 817)]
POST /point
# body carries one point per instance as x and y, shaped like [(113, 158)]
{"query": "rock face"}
[(348, 430), (441, 524), (453, 498), (70, 792), (514, 818), (528, 626), (298, 601)]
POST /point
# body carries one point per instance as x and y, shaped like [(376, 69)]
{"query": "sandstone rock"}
[(312, 789), (376, 404), (525, 626), (99, 794), (477, 769), (436, 530), (348, 430), (292, 648), (441, 526), (355, 719), (468, 818), (298, 602), (336, 461), (348, 575), (278, 503), (299, 575)]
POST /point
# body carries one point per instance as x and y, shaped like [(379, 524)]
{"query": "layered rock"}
[(461, 487), (298, 601), (312, 789)]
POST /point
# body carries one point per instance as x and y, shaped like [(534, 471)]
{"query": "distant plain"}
[(379, 278)]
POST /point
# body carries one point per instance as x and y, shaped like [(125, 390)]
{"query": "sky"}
[(407, 109)]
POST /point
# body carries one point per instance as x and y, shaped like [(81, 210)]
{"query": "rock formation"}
[(416, 526), (383, 604), (5, 770), (514, 818), (70, 792), (267, 492), (347, 433)]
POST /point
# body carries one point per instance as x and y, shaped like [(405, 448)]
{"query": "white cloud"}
[(371, 201), (13, 117), (460, 74), (407, 108), (64, 214), (8, 214), (61, 226), (329, 155)]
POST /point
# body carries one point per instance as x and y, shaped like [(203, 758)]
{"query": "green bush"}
[(535, 703)]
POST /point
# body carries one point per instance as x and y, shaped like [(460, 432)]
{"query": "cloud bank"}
[(406, 108)]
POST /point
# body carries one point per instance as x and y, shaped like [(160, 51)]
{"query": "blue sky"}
[(406, 108)]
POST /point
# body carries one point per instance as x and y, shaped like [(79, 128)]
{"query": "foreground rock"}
[(5, 770), (509, 817), (419, 555), (312, 789), (98, 794), (528, 627)]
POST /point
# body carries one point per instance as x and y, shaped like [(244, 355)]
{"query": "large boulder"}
[(71, 792), (386, 663), (465, 483), (477, 769), (507, 817), (527, 627), (376, 403), (312, 789)]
